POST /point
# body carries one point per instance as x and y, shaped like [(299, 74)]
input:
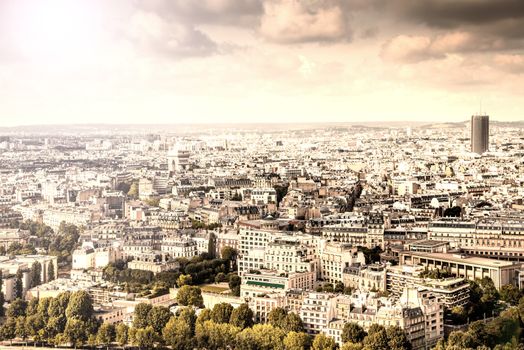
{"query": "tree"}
[(2, 297), (262, 336), (221, 313), (121, 334), (234, 284), (228, 253), (504, 328), (188, 316), (17, 308), (32, 307), (177, 334), (19, 286), (205, 315), (323, 342), (34, 324), (50, 272), (339, 287), (141, 314), (479, 336), (459, 339), (242, 317), (145, 337), (352, 332), (220, 277), (211, 335), (297, 341), (490, 294), (184, 280), (80, 306), (2, 302), (397, 339), (158, 318), (277, 317), (293, 323), (8, 329), (106, 334), (377, 338), (76, 331), (247, 339), (43, 307), (281, 192), (20, 328), (510, 294), (190, 296), (55, 325), (35, 274), (133, 190), (351, 346)]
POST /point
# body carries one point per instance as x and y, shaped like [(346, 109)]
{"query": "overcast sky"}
[(124, 61)]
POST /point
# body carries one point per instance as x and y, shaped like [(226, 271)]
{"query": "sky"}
[(188, 61)]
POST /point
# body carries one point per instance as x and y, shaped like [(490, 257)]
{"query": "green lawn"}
[(212, 288)]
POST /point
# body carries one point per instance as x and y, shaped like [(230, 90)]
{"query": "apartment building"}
[(317, 310), (365, 277), (179, 247), (290, 254), (54, 216), (334, 257), (453, 291), (366, 231)]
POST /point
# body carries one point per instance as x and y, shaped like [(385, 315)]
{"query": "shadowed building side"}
[(479, 133)]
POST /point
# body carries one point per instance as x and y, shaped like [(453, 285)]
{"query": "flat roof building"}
[(465, 266)]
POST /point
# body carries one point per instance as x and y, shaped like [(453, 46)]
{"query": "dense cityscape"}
[(323, 236)]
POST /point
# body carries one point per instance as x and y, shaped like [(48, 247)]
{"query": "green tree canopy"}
[(323, 342), (76, 331), (221, 313), (277, 317), (121, 334), (353, 333), (292, 323), (106, 334), (397, 339), (377, 338), (510, 294), (80, 306), (190, 296), (17, 308), (297, 341), (242, 317), (141, 314), (177, 334), (158, 317), (145, 337)]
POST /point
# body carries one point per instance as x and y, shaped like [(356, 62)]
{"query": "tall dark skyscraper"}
[(479, 133)]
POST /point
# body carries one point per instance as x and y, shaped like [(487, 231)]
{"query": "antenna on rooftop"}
[(480, 110)]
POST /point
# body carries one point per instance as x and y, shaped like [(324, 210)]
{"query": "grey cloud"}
[(152, 33), (456, 13), (500, 20), (226, 12), (302, 21), (510, 63)]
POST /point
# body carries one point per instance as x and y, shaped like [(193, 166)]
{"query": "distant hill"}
[(463, 124)]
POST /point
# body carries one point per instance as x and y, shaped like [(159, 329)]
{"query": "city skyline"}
[(259, 61)]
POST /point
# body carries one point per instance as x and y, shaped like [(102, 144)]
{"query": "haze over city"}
[(93, 61), (262, 174)]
